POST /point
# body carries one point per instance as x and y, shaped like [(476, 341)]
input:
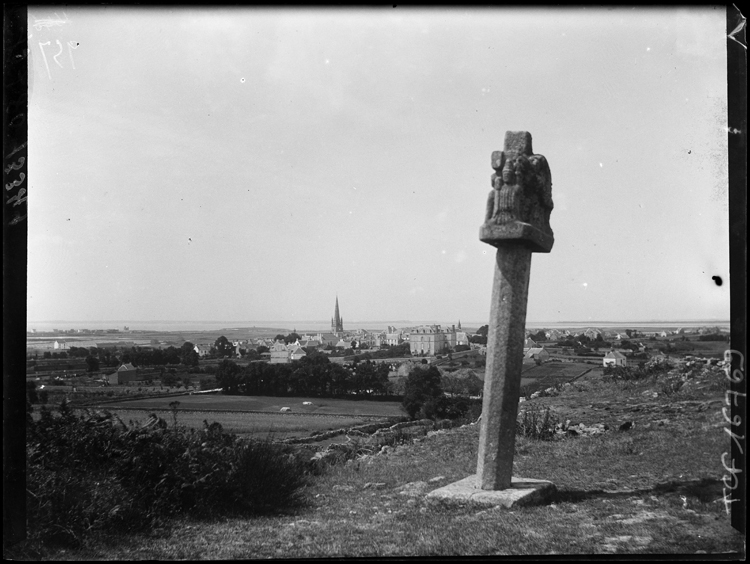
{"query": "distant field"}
[(259, 415), (552, 373), (274, 425), (218, 402)]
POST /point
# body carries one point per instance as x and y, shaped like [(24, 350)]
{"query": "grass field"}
[(538, 377), (262, 425), (268, 404), (258, 416)]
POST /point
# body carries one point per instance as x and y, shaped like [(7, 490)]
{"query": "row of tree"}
[(313, 375)]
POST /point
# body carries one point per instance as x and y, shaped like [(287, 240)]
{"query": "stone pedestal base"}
[(467, 491)]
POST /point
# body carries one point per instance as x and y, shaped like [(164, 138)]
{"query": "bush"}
[(94, 473), (625, 373), (537, 423), (169, 379), (207, 383), (640, 372), (422, 384)]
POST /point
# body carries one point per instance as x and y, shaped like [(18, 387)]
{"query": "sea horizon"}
[(323, 326)]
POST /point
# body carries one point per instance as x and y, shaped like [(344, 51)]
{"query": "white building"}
[(614, 358)]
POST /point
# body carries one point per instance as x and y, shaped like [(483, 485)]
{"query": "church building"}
[(337, 322)]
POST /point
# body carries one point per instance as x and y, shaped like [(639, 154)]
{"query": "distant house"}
[(428, 339), (60, 345), (279, 353), (592, 333), (328, 339), (297, 354), (537, 354), (614, 358), (554, 335), (124, 374), (342, 344), (529, 344), (202, 350), (392, 339), (405, 368)]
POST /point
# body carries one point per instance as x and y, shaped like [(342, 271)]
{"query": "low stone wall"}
[(379, 431)]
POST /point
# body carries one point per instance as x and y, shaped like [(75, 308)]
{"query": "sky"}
[(245, 164)]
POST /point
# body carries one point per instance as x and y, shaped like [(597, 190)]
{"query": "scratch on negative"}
[(736, 31)]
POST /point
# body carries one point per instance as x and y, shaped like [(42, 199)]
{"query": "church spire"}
[(337, 323)]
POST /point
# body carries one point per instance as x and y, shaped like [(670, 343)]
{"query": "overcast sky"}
[(248, 165)]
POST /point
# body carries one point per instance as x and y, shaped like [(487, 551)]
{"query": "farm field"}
[(268, 404), (552, 373), (261, 425)]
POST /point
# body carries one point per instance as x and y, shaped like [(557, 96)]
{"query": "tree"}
[(291, 338), (539, 336), (223, 347), (422, 385), (169, 379), (478, 339), (229, 377), (188, 356), (92, 364), (473, 385)]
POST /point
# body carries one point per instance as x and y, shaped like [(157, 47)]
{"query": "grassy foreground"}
[(652, 489)]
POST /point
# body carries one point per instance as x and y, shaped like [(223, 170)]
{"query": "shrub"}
[(207, 383), (94, 473), (625, 373), (450, 408), (670, 386), (536, 422)]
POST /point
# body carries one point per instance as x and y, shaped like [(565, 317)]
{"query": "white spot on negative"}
[(242, 80)]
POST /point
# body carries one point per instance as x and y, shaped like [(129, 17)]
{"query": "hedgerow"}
[(91, 472)]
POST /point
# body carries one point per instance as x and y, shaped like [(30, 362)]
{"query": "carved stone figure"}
[(520, 203)]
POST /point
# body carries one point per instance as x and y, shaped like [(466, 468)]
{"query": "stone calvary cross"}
[(517, 224)]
